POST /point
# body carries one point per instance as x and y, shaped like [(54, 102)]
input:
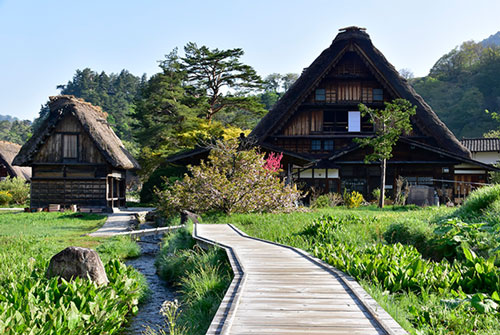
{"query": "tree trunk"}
[(383, 167)]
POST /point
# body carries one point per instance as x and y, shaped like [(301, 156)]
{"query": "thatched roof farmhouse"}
[(76, 157), (8, 151)]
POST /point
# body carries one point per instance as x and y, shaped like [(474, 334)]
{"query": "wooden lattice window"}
[(320, 94), (378, 94), (70, 146)]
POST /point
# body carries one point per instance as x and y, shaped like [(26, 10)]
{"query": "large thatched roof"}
[(8, 151), (93, 121), (357, 39)]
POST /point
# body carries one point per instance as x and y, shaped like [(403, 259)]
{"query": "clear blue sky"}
[(44, 42)]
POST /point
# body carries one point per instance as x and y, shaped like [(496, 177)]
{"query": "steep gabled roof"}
[(482, 144), (8, 151), (357, 39), (93, 121)]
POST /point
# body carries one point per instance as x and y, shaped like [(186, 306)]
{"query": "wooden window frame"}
[(70, 159), (315, 147), (329, 148), (377, 96), (323, 95)]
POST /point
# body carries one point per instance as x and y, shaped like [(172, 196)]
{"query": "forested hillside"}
[(462, 85), (14, 130)]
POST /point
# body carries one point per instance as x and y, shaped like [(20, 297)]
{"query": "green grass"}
[(398, 256), (31, 303), (201, 276)]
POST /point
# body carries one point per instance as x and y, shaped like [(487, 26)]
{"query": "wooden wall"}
[(51, 150), (68, 192)]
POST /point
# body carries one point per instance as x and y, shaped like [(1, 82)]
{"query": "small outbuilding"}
[(76, 158), (485, 150), (8, 151)]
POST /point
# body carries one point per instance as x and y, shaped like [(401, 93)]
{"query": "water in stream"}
[(149, 311)]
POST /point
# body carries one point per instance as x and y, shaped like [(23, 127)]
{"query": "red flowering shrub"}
[(231, 181), (273, 162)]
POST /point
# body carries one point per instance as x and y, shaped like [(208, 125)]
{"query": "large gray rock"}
[(421, 195), (77, 262)]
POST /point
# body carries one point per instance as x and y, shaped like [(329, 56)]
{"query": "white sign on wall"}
[(354, 124)]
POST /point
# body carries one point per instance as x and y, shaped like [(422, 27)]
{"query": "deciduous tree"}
[(389, 124)]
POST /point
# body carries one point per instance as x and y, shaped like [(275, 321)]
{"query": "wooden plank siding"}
[(52, 150)]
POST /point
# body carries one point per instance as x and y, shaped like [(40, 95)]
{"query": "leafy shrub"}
[(5, 197), (481, 200), (231, 181), (418, 235), (156, 181), (454, 234), (327, 200), (353, 199), (17, 187)]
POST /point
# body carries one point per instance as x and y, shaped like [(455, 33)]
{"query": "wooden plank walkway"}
[(283, 290)]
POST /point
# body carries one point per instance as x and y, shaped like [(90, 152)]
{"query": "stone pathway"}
[(119, 221)]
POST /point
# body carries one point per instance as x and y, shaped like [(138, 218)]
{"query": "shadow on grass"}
[(81, 216)]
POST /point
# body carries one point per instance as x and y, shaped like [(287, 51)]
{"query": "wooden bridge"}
[(282, 290)]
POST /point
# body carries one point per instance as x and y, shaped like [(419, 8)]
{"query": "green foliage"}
[(389, 123), (171, 311), (114, 93), (5, 197), (353, 199), (481, 200), (157, 181), (211, 71), (17, 188), (45, 306), (231, 181), (32, 304), (327, 200), (121, 247), (202, 278), (15, 131), (453, 235), (495, 175), (418, 234), (461, 85)]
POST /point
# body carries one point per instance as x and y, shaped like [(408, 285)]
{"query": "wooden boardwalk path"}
[(283, 290)]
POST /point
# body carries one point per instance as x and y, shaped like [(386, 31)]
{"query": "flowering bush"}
[(18, 189), (5, 197), (231, 181), (353, 199)]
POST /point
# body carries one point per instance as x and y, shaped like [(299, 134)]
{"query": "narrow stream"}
[(149, 311)]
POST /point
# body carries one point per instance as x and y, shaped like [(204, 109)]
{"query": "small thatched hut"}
[(76, 158), (8, 151)]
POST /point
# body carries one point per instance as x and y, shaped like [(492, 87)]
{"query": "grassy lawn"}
[(31, 303), (435, 270)]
